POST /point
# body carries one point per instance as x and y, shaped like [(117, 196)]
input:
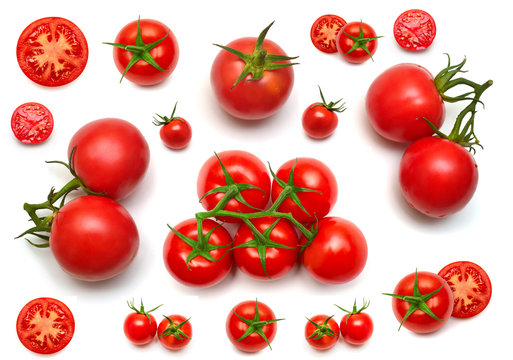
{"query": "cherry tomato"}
[(338, 252), (356, 327), (177, 335), (140, 326), (414, 30), (321, 332), (399, 98), (278, 259), (260, 316), (32, 123), (324, 32), (309, 174), (164, 54), (438, 177), (52, 51), (243, 168), (175, 133), (357, 42), (93, 238), (110, 156), (320, 119), (470, 285), (198, 271), (45, 325)]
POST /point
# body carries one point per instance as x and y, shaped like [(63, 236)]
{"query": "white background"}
[(399, 238)]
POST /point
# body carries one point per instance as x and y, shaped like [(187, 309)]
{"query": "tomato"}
[(257, 315), (139, 64), (140, 326), (45, 325), (338, 252), (417, 290), (399, 97), (320, 119), (414, 30), (321, 332), (309, 174), (242, 168), (278, 244), (470, 285), (324, 32), (357, 42), (110, 157), (266, 86), (177, 335), (356, 327), (438, 177), (32, 123), (52, 51), (175, 133), (93, 238), (198, 271)]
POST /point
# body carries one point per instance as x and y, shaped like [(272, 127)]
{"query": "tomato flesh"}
[(414, 30), (32, 123), (324, 32)]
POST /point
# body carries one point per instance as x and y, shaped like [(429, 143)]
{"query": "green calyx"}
[(417, 301), (140, 51), (164, 120), (141, 310), (175, 329), (360, 41), (259, 61), (321, 329), (354, 311), (331, 106)]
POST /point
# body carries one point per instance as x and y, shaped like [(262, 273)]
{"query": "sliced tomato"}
[(45, 325), (32, 123), (324, 32), (414, 30), (470, 285), (52, 51)]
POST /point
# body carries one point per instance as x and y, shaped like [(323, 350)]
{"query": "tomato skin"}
[(42, 316), (278, 262), (201, 272), (177, 134), (170, 342), (441, 304), (235, 327), (111, 157), (438, 177), (326, 342), (32, 123), (414, 30), (399, 97), (324, 32), (319, 122), (470, 285), (345, 43), (93, 238), (250, 100), (138, 329), (312, 174), (243, 167), (358, 329), (165, 54), (338, 252)]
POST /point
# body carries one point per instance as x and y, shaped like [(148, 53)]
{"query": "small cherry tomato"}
[(356, 327), (320, 119), (140, 326), (357, 42), (176, 132), (174, 332), (321, 332), (324, 32), (414, 30), (32, 123)]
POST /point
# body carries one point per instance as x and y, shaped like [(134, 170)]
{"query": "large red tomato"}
[(399, 98), (93, 238)]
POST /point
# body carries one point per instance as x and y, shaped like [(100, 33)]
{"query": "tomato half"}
[(321, 332), (174, 332), (414, 30), (52, 51), (357, 42), (45, 325), (324, 32), (32, 123), (470, 285)]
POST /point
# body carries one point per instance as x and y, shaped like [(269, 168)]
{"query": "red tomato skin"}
[(398, 98), (414, 30), (138, 329), (312, 174), (441, 304), (250, 100), (319, 122), (177, 134), (279, 262), (326, 342), (165, 54), (93, 238), (243, 167), (358, 329), (32, 123), (42, 310), (438, 177), (201, 272), (235, 328), (324, 32), (170, 342), (111, 157), (345, 43), (338, 252)]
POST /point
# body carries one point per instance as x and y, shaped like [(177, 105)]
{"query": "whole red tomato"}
[(356, 326), (321, 332), (175, 133), (174, 332), (140, 326), (93, 238), (110, 156), (357, 42), (198, 271), (241, 168), (398, 99), (270, 255), (338, 252), (320, 119), (318, 192), (438, 177)]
